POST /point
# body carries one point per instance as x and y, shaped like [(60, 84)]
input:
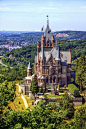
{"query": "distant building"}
[(14, 47), (52, 65)]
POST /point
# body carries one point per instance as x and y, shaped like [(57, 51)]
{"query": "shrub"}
[(61, 91), (64, 86), (73, 89), (49, 87), (45, 95)]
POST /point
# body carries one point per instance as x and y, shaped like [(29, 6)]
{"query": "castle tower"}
[(29, 70)]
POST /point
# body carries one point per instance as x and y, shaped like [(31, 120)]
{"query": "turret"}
[(42, 52), (29, 70), (42, 41), (53, 41)]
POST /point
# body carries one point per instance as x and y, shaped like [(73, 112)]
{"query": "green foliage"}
[(66, 104), (80, 117), (65, 86), (45, 95), (73, 89), (80, 69), (3, 51), (2, 78), (16, 73), (21, 56), (34, 85), (72, 80), (61, 91), (6, 94), (46, 116)]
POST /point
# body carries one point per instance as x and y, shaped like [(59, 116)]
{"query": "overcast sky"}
[(30, 15)]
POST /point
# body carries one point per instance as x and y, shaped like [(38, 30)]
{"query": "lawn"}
[(52, 96), (29, 101)]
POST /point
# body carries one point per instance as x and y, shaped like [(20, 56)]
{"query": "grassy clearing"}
[(29, 102), (53, 96), (17, 104)]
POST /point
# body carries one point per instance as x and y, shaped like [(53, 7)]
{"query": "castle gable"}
[(51, 61)]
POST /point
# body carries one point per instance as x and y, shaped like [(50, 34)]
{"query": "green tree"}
[(80, 117), (66, 105), (34, 85), (6, 94), (2, 78), (81, 71)]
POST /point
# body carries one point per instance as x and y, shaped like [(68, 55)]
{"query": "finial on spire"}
[(47, 20)]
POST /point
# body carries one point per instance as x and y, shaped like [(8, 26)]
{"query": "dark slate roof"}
[(64, 56)]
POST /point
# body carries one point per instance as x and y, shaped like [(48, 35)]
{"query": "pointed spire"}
[(48, 31), (29, 66), (42, 52)]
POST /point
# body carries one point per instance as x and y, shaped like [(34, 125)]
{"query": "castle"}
[(51, 65)]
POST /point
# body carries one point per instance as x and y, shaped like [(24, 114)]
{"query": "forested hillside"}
[(21, 57)]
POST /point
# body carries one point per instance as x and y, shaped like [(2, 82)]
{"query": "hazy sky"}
[(30, 15)]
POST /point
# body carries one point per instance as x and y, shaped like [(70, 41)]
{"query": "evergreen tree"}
[(81, 71), (34, 85)]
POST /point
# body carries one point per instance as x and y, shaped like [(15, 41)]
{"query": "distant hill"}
[(70, 35), (22, 37)]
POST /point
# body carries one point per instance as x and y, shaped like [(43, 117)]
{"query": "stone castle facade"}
[(51, 65)]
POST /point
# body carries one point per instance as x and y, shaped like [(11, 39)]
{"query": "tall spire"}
[(48, 34)]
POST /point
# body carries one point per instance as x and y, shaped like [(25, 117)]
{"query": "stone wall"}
[(77, 100)]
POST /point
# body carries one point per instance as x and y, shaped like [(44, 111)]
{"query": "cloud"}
[(47, 9), (84, 7), (4, 8)]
